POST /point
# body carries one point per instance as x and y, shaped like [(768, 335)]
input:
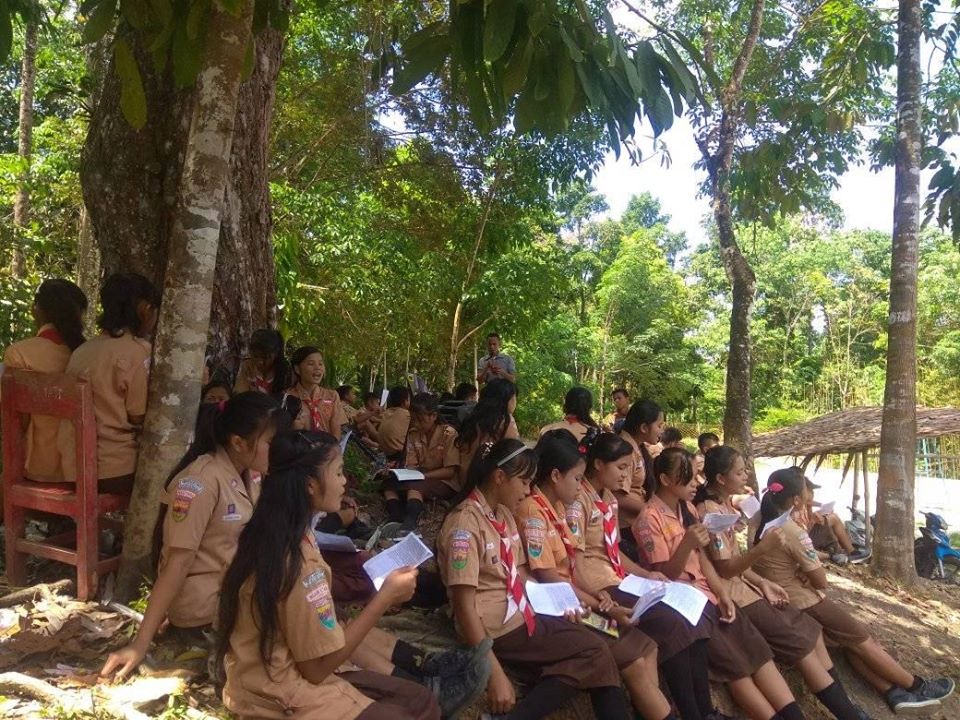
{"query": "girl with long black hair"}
[(795, 566), (577, 409), (490, 421), (551, 555), (483, 565), (267, 369), (58, 308), (207, 501), (794, 637), (643, 426), (670, 538), (600, 567)]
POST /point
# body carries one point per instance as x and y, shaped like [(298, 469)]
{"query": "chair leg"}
[(87, 554), (15, 523)]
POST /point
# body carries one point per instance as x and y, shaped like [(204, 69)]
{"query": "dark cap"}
[(811, 485)]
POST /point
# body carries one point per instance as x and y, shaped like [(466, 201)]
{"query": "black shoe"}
[(904, 702), (935, 689), (458, 677)]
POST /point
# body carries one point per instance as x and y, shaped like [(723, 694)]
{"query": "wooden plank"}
[(868, 533)]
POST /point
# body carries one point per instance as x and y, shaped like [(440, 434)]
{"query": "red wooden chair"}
[(66, 397)]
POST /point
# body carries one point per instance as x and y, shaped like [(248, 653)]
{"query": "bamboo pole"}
[(868, 532), (856, 486)]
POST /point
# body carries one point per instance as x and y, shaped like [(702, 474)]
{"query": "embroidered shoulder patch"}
[(459, 549), (534, 529), (575, 516), (320, 598), (187, 490)]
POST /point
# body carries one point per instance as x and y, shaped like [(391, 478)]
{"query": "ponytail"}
[(63, 305), (556, 450), (782, 487), (718, 460)]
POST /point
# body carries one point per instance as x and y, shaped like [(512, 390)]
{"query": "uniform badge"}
[(232, 515), (575, 516), (187, 490), (534, 531), (320, 598), (459, 549)]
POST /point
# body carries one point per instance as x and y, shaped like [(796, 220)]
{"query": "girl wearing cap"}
[(795, 566), (794, 636), (484, 566), (671, 539)]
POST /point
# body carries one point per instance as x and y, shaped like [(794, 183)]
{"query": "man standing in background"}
[(495, 364)]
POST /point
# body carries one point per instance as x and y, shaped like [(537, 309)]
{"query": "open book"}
[(405, 475)]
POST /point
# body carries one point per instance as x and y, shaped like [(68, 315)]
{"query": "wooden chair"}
[(63, 396)]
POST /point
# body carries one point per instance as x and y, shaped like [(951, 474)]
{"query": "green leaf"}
[(133, 101), (187, 57), (100, 21), (515, 73), (566, 83), (660, 112), (499, 21), (425, 57), (196, 18), (6, 32), (136, 13), (575, 54), (698, 58), (279, 16)]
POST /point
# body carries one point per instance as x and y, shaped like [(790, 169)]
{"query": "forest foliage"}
[(394, 213)]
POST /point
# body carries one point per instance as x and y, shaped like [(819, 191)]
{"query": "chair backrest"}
[(23, 392)]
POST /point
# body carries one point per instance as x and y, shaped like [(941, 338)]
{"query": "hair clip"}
[(485, 449), (582, 449), (775, 487), (511, 456)]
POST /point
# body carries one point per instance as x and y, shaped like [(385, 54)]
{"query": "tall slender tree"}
[(898, 434), (21, 204)]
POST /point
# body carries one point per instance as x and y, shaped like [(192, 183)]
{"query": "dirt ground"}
[(63, 643)]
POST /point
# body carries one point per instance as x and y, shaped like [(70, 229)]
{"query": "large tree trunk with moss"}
[(134, 183), (898, 435)]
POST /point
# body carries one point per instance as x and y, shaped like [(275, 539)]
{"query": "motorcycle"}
[(935, 558)]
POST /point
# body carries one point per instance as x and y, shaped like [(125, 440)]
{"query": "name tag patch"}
[(320, 599)]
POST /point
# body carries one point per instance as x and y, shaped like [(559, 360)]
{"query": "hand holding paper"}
[(409, 551), (716, 523), (553, 599), (827, 507), (777, 522), (749, 506)]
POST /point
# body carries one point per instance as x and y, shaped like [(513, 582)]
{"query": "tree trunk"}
[(181, 339), (21, 202), (893, 555), (88, 270)]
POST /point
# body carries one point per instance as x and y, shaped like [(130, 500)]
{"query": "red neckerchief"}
[(262, 385), (515, 594), (572, 419), (52, 334), (313, 406), (559, 526), (611, 533)]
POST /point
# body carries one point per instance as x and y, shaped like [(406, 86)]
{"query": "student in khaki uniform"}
[(600, 567), (577, 406), (116, 363), (322, 408), (794, 637), (483, 565), (490, 421), (280, 642), (266, 370), (621, 406), (431, 449), (643, 425), (207, 501), (796, 567), (58, 308), (670, 538), (348, 396), (551, 556), (395, 424)]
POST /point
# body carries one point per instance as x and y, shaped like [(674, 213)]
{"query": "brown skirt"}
[(393, 698), (429, 488), (632, 645), (734, 650), (350, 582), (790, 633), (560, 649), (664, 626), (839, 626)]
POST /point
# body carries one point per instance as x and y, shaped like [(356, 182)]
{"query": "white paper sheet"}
[(686, 600), (749, 506), (404, 475), (827, 507), (719, 522), (409, 551), (638, 586), (776, 522), (337, 543), (383, 397), (553, 599)]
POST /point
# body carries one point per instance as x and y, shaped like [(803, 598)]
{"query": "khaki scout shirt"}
[(468, 552), (330, 416), (308, 630), (787, 566), (394, 425), (45, 356), (208, 505), (723, 546), (439, 450), (544, 545), (594, 569)]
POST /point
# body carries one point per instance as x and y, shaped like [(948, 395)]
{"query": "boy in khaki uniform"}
[(394, 424)]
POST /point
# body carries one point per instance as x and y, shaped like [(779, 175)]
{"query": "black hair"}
[(301, 354), (782, 487), (216, 382), (671, 435), (424, 403), (492, 335), (269, 548), (270, 342), (446, 396), (490, 457), (606, 447), (579, 402), (63, 305), (464, 391), (716, 461), (371, 396), (621, 390), (556, 450), (343, 391), (705, 437), (397, 396), (490, 418), (120, 296), (643, 412), (676, 461), (292, 406)]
